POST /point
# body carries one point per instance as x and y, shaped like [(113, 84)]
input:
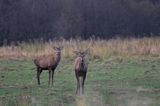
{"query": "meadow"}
[(122, 72)]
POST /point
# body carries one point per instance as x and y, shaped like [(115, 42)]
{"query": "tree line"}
[(21, 20)]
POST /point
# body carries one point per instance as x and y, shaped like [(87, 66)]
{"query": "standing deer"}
[(48, 63), (80, 70)]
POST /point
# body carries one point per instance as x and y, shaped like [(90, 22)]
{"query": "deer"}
[(80, 67), (49, 63)]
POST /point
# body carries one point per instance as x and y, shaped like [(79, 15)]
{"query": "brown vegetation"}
[(99, 48)]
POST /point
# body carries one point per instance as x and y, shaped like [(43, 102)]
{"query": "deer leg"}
[(40, 72), (84, 77), (78, 85), (52, 76), (38, 75), (49, 77)]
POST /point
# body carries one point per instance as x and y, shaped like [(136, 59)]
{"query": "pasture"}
[(111, 81)]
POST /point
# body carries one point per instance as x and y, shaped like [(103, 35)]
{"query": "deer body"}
[(48, 63), (80, 72)]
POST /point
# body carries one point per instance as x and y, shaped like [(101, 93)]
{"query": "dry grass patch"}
[(98, 48)]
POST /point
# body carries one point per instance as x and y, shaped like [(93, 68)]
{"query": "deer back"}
[(45, 61)]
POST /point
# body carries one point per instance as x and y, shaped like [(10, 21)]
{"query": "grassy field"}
[(112, 81)]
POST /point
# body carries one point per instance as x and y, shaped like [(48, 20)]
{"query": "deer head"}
[(57, 50), (81, 54)]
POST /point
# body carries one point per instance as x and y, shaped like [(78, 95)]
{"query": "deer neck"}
[(57, 58), (82, 62)]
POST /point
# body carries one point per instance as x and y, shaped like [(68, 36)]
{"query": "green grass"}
[(115, 81)]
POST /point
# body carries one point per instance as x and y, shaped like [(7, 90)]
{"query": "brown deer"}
[(80, 70), (48, 63)]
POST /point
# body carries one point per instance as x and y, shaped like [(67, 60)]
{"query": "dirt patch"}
[(128, 98), (96, 101), (7, 69), (89, 100)]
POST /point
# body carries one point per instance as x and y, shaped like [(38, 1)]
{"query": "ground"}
[(114, 81)]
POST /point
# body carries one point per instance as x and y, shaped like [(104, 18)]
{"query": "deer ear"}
[(61, 47), (86, 51), (55, 48), (76, 52)]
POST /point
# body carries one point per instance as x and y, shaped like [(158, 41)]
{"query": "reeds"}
[(98, 48)]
